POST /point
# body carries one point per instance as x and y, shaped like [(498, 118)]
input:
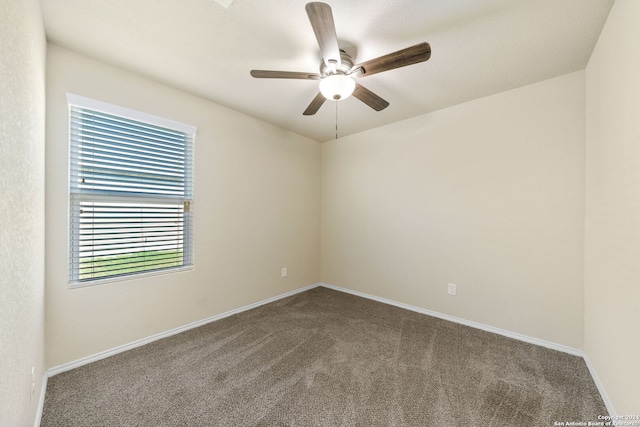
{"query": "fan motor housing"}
[(346, 64)]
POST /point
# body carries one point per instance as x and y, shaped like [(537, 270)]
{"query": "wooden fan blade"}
[(369, 98), (267, 74), (321, 20), (315, 105), (411, 55)]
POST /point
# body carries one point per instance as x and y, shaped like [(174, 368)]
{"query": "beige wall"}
[(256, 210), (22, 121), (488, 195), (612, 255)]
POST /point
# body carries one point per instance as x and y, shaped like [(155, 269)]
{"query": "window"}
[(131, 190)]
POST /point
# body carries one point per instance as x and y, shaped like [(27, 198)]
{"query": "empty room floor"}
[(327, 358)]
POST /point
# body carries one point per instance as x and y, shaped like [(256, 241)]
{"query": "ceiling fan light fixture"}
[(337, 87)]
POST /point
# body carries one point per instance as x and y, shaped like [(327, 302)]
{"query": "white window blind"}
[(131, 189)]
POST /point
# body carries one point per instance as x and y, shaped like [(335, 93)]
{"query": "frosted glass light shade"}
[(337, 87)]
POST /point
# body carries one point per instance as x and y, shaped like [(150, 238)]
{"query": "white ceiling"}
[(479, 47)]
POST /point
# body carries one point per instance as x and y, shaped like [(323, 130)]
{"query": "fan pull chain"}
[(336, 102)]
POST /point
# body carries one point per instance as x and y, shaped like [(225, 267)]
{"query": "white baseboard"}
[(43, 390), (104, 354), (113, 351), (122, 348), (476, 325), (531, 340), (603, 393)]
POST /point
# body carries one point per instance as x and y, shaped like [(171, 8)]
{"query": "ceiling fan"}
[(338, 69)]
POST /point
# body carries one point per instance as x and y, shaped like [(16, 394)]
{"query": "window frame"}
[(145, 201)]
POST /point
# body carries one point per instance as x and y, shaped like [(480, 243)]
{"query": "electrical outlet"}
[(452, 289), (284, 271)]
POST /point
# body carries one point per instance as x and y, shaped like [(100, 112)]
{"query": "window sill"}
[(106, 280)]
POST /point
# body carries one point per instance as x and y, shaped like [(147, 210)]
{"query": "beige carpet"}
[(326, 358)]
